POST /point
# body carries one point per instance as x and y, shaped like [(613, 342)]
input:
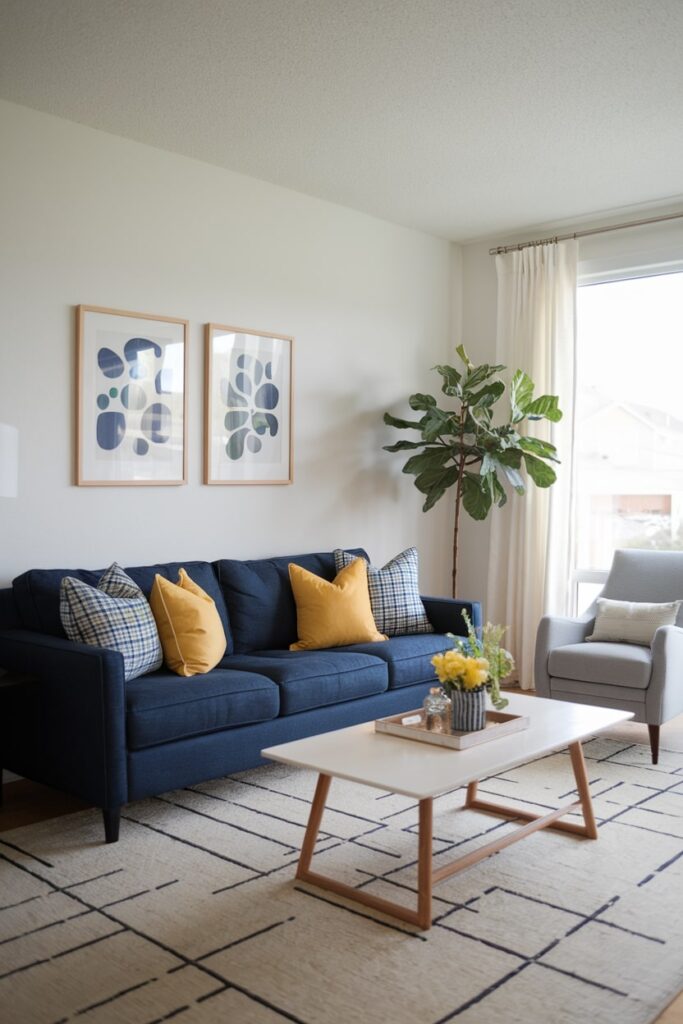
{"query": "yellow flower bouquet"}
[(475, 665), (458, 671)]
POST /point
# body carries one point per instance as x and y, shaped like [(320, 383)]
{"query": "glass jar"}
[(437, 710)]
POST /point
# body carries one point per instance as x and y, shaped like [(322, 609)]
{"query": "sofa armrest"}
[(79, 741), (555, 631), (664, 698), (445, 614)]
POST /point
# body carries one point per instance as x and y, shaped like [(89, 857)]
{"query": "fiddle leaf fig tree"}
[(461, 447)]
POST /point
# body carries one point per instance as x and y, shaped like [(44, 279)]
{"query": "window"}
[(629, 422)]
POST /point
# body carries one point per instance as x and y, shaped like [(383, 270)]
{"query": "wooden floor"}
[(27, 802)]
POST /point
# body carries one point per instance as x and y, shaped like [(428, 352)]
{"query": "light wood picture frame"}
[(131, 398), (248, 406)]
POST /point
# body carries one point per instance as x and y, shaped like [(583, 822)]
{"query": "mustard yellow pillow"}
[(190, 628), (332, 614)]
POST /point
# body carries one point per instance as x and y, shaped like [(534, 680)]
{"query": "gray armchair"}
[(645, 680)]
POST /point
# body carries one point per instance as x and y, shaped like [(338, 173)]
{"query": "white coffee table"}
[(423, 772)]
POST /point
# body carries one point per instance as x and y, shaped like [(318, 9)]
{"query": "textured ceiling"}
[(458, 117)]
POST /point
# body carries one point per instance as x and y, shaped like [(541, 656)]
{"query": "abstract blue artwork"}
[(248, 376), (131, 402)]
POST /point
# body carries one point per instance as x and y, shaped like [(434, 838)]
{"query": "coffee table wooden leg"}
[(424, 865), (426, 875), (584, 803), (420, 917), (581, 776), (313, 827)]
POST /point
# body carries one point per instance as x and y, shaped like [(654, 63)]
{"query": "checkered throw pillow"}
[(394, 594), (114, 614)]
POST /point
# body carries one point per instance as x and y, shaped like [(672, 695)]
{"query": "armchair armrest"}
[(555, 631), (445, 614), (80, 736), (664, 698)]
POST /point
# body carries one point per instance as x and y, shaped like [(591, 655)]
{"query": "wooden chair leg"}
[(654, 742)]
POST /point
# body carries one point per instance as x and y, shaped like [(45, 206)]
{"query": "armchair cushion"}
[(613, 664), (631, 622)]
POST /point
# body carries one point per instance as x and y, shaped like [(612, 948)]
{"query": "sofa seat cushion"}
[(408, 658), (260, 601), (608, 663), (314, 679), (164, 707)]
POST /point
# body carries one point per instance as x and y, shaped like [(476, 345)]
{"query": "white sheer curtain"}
[(530, 555)]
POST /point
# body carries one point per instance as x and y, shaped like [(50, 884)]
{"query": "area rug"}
[(195, 914)]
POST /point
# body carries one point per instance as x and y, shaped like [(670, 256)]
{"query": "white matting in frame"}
[(131, 411), (248, 406)]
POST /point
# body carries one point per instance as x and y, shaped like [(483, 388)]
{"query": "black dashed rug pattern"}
[(195, 914)]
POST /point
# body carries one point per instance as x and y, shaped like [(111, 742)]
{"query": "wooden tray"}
[(411, 725)]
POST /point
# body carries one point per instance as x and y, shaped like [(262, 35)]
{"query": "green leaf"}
[(429, 458), (477, 376), (476, 496), (510, 457), (515, 478), (435, 477), (506, 437), (402, 446), (499, 495), (488, 395), (521, 394), (451, 380), (436, 422), (544, 407), (432, 498), (540, 472), (434, 483), (536, 446), (463, 355), (489, 464), (421, 402), (395, 421)]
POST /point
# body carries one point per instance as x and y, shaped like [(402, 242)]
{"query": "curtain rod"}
[(501, 249)]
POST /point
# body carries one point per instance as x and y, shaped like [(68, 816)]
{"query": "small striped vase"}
[(468, 709)]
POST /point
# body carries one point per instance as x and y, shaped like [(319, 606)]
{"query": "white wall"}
[(630, 248), (92, 218)]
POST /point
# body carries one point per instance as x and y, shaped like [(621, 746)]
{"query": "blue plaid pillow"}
[(394, 594), (114, 614)]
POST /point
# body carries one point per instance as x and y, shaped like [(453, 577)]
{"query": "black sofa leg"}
[(654, 742), (112, 820)]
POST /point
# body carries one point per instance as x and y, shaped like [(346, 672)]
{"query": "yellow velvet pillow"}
[(333, 614), (190, 628)]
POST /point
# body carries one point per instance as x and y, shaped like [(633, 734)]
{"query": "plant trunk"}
[(454, 573), (458, 497)]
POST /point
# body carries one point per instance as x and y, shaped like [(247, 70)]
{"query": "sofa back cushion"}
[(36, 592), (260, 601)]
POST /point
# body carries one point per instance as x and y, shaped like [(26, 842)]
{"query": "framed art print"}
[(131, 399), (248, 407)]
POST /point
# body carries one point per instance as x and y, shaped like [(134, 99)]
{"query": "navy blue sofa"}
[(78, 726)]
